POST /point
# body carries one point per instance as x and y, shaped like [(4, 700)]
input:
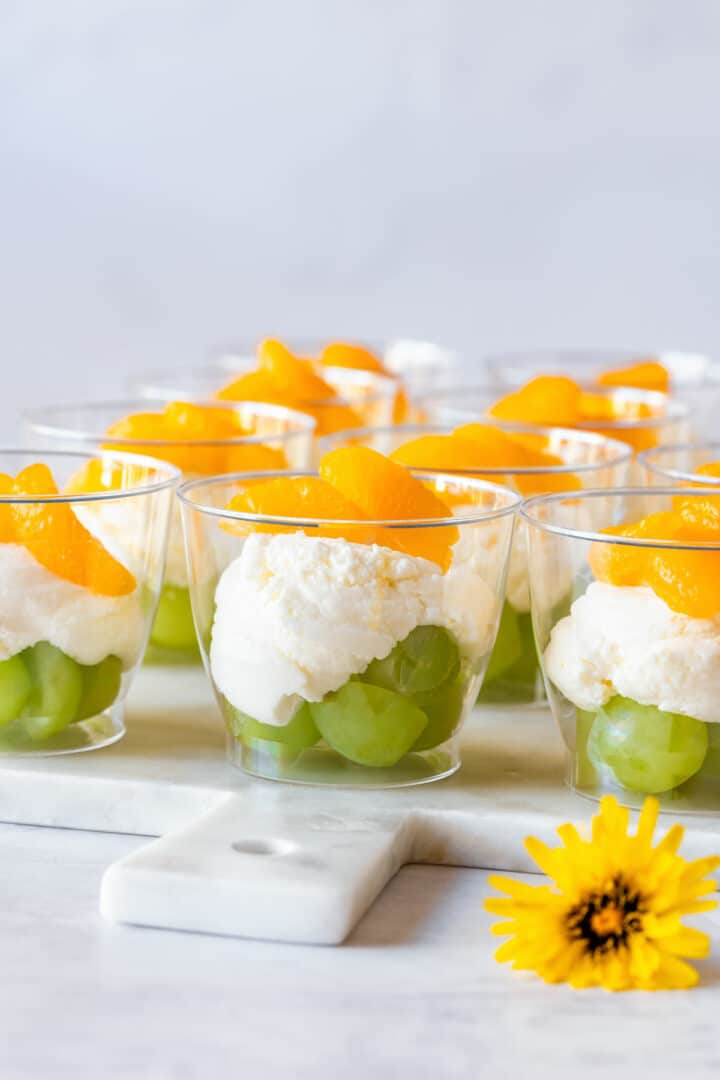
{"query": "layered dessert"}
[(73, 617), (201, 440), (639, 654), (281, 378), (345, 636), (633, 416)]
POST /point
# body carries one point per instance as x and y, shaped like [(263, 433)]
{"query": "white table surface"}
[(414, 992)]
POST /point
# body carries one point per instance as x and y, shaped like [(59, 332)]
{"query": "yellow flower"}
[(614, 919)]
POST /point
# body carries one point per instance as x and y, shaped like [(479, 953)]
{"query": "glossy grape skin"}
[(300, 734), (101, 686), (173, 627), (368, 724), (15, 688), (648, 750), (56, 693)]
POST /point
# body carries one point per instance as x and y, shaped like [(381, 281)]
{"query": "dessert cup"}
[(283, 434), (645, 418), (633, 669), (693, 378), (361, 397), (513, 676), (82, 550), (420, 366), (339, 651)]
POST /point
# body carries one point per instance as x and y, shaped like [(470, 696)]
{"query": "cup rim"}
[(159, 386), (530, 505), (644, 456), (38, 420), (120, 456), (624, 452), (513, 502)]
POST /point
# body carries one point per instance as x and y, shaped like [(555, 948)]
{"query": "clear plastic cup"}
[(80, 578), (667, 423), (290, 433), (694, 377), (632, 663), (513, 676), (361, 397), (335, 661)]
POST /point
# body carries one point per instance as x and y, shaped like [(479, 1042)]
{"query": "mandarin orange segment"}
[(699, 517), (644, 375), (254, 386), (332, 418), (476, 447), (341, 354), (619, 564), (401, 407), (545, 483), (304, 497), (253, 457), (384, 489), (451, 453), (96, 475), (711, 469), (291, 374), (547, 399), (58, 541), (688, 581), (7, 527), (198, 437)]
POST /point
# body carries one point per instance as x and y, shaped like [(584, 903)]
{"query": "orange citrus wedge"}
[(56, 539), (644, 375)]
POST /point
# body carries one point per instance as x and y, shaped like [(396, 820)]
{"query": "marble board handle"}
[(305, 878)]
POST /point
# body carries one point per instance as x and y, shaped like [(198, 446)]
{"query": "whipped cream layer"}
[(626, 640), (36, 605), (297, 615)]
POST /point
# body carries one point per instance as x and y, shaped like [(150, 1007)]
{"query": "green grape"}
[(368, 724), (15, 688), (174, 627), (101, 685), (427, 658), (56, 692), (444, 709), (516, 681), (300, 734), (508, 645), (650, 751)]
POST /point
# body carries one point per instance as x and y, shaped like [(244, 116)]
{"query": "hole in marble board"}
[(263, 847)]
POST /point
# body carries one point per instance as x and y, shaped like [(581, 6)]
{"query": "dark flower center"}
[(604, 920)]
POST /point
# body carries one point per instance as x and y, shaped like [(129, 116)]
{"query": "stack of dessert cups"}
[(529, 460), (354, 584), (199, 440)]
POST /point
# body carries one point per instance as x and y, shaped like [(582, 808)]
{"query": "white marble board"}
[(252, 858)]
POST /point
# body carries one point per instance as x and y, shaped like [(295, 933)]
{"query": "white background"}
[(482, 173)]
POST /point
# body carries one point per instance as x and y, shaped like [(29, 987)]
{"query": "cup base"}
[(321, 766), (92, 734), (700, 795)]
